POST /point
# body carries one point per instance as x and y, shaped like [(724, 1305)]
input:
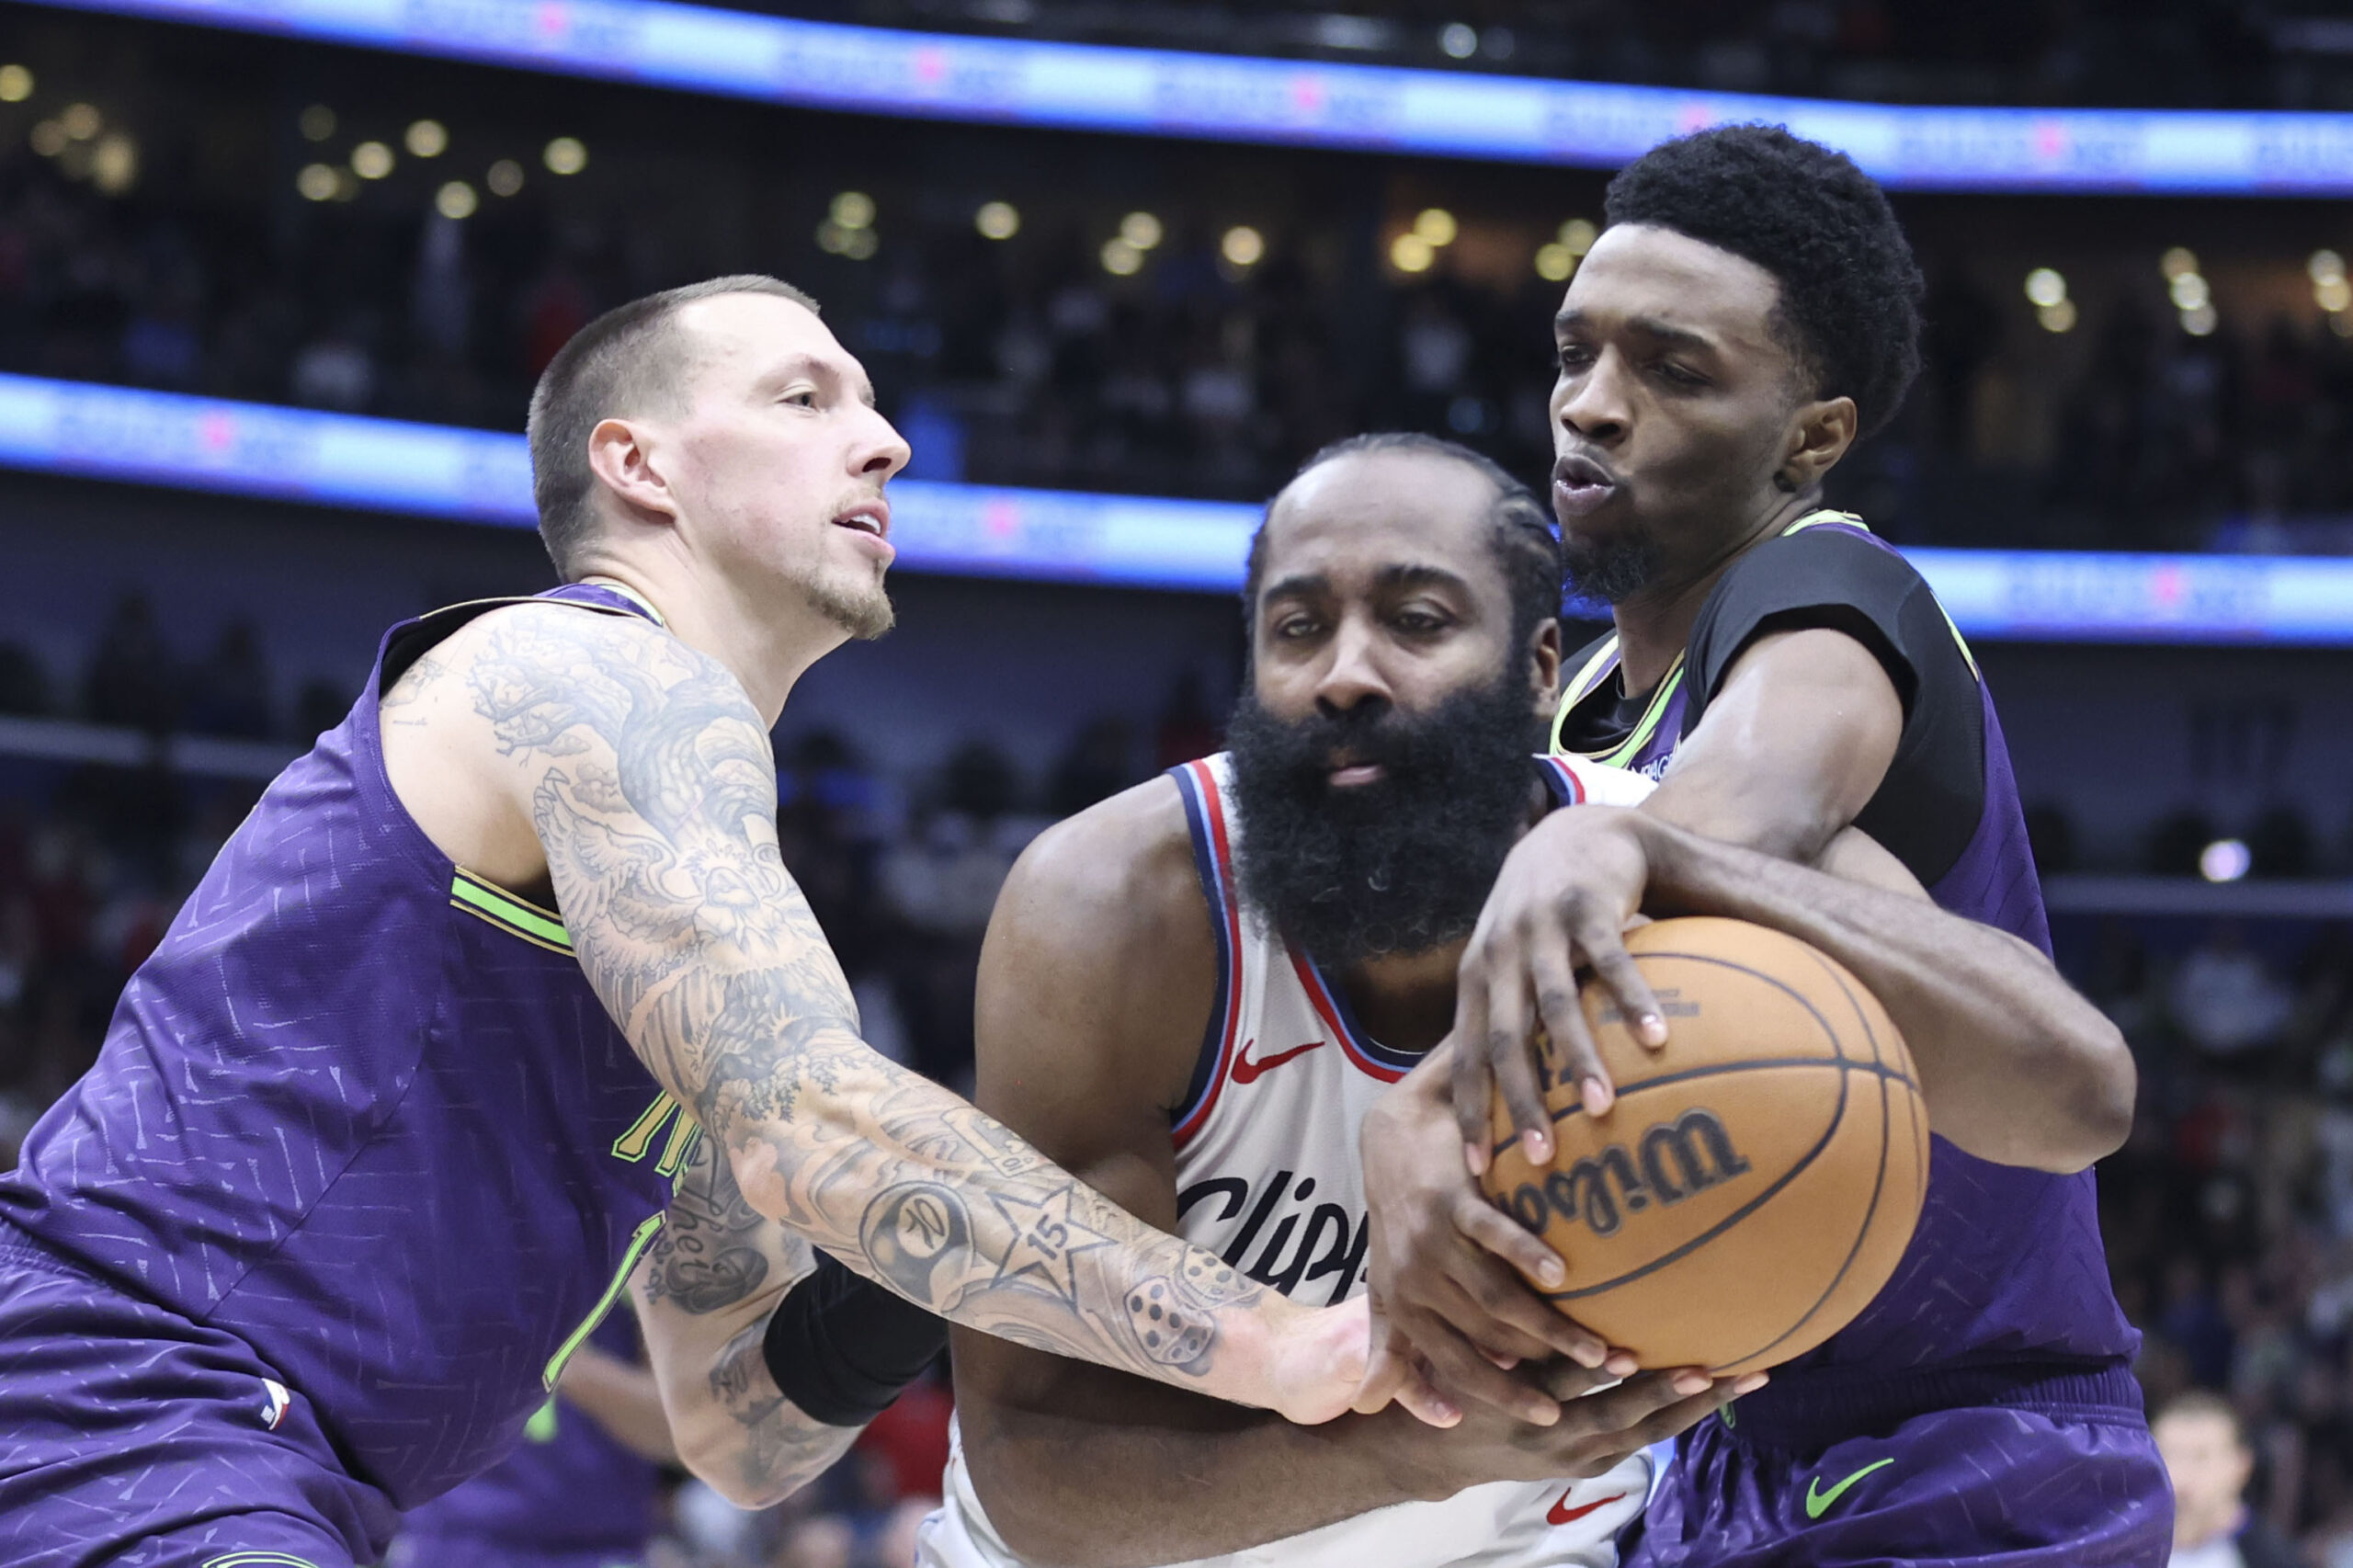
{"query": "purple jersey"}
[(569, 1489), (2007, 1267), (362, 1111)]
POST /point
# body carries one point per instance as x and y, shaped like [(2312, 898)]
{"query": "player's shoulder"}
[(543, 630), (1121, 868), (1102, 932), (1835, 545)]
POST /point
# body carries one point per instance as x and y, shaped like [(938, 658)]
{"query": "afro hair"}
[(1850, 291)]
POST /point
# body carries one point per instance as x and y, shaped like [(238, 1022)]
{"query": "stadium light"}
[(1411, 253), (505, 178), (15, 84), (371, 160), (1141, 230), (427, 139), (2045, 286), (566, 155), (1555, 263), (852, 209), (998, 220), (1435, 227), (455, 200), (316, 123), (1120, 258), (2226, 860), (1243, 246)]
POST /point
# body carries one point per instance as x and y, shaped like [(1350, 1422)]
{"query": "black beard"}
[(1400, 864), (1608, 571)]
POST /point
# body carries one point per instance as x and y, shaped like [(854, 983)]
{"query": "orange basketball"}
[(1755, 1183)]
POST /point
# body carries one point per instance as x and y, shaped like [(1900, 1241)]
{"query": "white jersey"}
[(1267, 1176)]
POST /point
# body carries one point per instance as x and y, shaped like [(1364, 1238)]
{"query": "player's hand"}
[(1563, 900), (1315, 1362), (1445, 1283), (1596, 1430)]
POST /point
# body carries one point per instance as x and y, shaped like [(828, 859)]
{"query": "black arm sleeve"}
[(841, 1347), (1926, 809)]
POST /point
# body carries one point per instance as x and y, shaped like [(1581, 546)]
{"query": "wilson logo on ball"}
[(1670, 1162)]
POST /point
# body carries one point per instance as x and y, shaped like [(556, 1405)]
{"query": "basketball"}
[(1757, 1179)]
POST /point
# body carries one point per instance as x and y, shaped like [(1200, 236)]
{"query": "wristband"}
[(841, 1348)]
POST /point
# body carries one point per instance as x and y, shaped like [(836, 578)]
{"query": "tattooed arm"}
[(649, 787), (714, 1273)]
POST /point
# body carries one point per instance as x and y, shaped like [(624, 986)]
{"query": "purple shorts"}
[(131, 1438), (2021, 1484), (419, 1550)]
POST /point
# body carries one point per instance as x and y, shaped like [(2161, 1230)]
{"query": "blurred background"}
[(272, 300)]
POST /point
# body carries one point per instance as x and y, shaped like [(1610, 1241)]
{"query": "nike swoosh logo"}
[(1247, 1071), (1817, 1502), (1562, 1514)]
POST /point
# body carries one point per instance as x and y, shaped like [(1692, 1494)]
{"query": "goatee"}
[(864, 616), (1608, 571), (1399, 865)]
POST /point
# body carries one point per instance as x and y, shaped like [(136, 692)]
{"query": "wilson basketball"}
[(1757, 1179)]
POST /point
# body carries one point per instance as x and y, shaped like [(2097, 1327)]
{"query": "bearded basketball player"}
[(502, 993), (1193, 995), (1748, 312)]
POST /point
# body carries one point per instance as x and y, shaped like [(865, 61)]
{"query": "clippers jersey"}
[(1268, 1177), (2006, 1271), (362, 1111)]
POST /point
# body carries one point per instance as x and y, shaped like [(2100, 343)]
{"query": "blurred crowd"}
[(1028, 362), (2229, 1216)]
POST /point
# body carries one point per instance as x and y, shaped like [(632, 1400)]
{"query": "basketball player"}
[(580, 1491), (1193, 993), (503, 987), (1749, 312)]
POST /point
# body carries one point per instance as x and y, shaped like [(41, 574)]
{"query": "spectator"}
[(2206, 1453), (2226, 999), (228, 694), (132, 679)]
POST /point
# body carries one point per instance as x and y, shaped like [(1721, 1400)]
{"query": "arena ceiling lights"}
[(387, 465), (1165, 93)]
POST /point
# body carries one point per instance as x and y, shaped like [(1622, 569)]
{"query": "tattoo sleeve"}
[(654, 797), (715, 1272)]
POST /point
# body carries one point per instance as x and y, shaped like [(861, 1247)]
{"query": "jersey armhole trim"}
[(1568, 789), (1213, 862)]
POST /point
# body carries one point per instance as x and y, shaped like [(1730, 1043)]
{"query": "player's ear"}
[(1544, 666), (1820, 433), (622, 458)]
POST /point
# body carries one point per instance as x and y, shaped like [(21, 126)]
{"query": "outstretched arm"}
[(2015, 1066), (650, 787), (1792, 747), (715, 1274)]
